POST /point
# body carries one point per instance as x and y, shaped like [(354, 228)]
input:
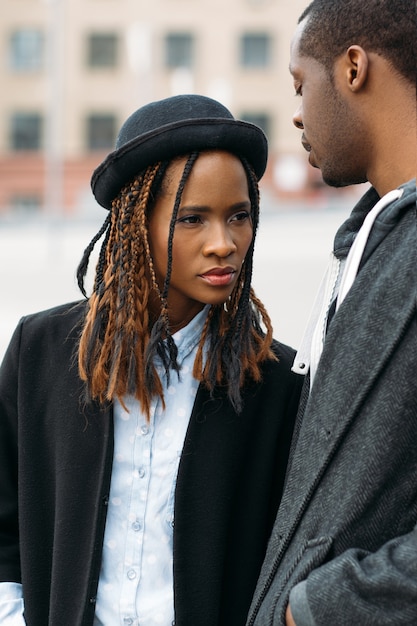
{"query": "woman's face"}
[(213, 232)]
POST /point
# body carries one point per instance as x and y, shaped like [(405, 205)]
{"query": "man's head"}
[(386, 27), (354, 66)]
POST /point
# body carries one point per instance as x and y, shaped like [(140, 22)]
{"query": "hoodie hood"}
[(383, 224)]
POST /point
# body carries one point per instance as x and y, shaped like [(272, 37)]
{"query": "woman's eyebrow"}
[(204, 209), (194, 207)]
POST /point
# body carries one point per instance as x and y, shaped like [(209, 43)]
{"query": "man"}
[(343, 550)]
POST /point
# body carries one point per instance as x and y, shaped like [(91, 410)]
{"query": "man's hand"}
[(289, 621)]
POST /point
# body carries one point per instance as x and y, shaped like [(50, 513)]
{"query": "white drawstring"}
[(311, 346), (355, 253), (309, 353)]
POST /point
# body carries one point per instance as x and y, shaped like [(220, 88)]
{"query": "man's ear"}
[(356, 67)]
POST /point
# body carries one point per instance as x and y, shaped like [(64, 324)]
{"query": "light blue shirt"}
[(136, 579)]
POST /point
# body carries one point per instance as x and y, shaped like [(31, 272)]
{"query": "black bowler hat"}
[(162, 130)]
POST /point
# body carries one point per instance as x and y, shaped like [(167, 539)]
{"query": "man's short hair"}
[(387, 27)]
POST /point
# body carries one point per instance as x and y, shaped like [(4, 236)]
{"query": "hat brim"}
[(175, 139)]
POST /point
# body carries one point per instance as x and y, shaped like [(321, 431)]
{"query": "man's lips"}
[(219, 275), (306, 145)]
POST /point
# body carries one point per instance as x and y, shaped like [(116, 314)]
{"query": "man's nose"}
[(297, 119)]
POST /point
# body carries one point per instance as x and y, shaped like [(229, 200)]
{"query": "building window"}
[(25, 203), (26, 131), (101, 131), (179, 50), (102, 50), (255, 50), (263, 120), (26, 50)]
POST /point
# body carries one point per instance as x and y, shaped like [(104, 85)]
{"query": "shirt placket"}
[(141, 472)]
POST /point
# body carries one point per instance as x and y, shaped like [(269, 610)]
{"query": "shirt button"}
[(128, 621), (131, 574), (144, 429), (141, 472), (136, 526)]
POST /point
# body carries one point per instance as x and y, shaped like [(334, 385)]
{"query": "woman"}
[(145, 432)]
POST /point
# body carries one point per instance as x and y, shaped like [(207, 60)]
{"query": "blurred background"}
[(71, 71)]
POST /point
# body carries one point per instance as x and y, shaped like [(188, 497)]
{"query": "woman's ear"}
[(357, 62)]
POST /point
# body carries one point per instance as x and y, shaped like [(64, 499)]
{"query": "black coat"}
[(55, 471)]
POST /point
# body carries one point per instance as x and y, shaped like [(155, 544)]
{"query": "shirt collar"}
[(188, 337)]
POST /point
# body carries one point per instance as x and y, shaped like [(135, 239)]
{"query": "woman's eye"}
[(189, 219), (241, 216), (298, 90)]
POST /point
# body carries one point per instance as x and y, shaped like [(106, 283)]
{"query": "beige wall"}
[(69, 90)]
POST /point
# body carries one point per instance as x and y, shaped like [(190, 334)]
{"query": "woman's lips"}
[(219, 276)]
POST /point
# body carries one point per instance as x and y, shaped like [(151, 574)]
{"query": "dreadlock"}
[(167, 350), (119, 340)]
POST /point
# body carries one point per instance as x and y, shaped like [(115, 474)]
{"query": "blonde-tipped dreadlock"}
[(119, 341)]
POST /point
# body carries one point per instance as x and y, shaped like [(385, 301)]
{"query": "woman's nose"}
[(219, 242)]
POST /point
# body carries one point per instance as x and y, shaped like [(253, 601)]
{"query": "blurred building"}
[(73, 70)]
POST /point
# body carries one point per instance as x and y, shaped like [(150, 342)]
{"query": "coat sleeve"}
[(358, 587), (9, 534)]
